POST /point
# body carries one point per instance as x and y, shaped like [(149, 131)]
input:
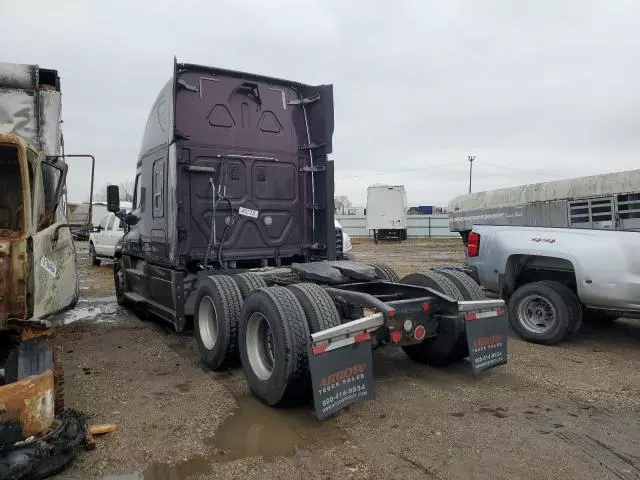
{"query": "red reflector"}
[(425, 306), (362, 337), (470, 316), (319, 349), (500, 312), (419, 332), (396, 336), (392, 313), (473, 244)]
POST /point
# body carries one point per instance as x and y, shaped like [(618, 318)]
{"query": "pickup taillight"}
[(473, 244)]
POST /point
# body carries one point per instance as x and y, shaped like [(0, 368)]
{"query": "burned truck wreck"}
[(232, 225)]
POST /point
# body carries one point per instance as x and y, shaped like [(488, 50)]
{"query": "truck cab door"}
[(55, 277), (115, 231)]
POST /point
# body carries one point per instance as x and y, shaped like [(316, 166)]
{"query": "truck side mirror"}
[(113, 198)]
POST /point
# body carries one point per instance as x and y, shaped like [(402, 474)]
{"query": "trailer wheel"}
[(451, 343), (469, 289), (318, 306), (385, 272), (218, 302), (93, 257), (544, 312), (248, 282), (273, 344), (58, 381)]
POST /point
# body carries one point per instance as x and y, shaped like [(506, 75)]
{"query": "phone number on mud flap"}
[(487, 359), (346, 394)]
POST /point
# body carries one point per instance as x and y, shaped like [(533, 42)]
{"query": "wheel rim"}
[(207, 322), (537, 314), (259, 343)]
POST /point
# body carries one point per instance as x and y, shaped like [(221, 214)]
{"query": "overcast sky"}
[(537, 90)]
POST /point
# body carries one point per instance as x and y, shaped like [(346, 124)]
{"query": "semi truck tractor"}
[(232, 225), (38, 275)]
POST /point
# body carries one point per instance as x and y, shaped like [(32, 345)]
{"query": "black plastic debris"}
[(45, 455)]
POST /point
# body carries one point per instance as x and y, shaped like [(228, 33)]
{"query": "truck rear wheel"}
[(451, 343), (120, 282), (273, 344), (385, 272), (469, 289), (318, 307), (218, 302), (544, 312), (248, 282)]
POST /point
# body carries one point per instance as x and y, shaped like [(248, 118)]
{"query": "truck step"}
[(135, 297)]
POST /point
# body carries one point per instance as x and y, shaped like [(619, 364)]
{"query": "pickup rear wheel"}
[(451, 343), (218, 302), (544, 312), (273, 344)]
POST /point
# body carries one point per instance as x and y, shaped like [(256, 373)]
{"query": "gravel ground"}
[(570, 411)]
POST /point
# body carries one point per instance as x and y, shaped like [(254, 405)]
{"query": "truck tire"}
[(469, 289), (385, 272), (248, 282), (543, 312), (218, 302), (317, 305), (58, 381), (93, 257), (273, 344), (573, 302), (120, 282), (451, 343)]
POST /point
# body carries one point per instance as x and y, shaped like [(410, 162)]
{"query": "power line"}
[(404, 170), (546, 174)]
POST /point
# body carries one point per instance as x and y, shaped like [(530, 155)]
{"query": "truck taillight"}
[(473, 244)]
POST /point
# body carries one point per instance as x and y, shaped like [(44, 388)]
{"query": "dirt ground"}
[(570, 411)]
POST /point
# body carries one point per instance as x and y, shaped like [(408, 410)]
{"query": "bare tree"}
[(342, 205), (126, 190)]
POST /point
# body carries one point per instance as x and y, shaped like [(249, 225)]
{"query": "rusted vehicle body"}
[(38, 275)]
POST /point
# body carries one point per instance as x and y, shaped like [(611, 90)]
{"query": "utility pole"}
[(471, 158)]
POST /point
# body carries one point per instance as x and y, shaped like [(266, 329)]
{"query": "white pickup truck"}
[(103, 238), (552, 277)]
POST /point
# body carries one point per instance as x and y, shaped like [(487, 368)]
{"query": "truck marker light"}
[(392, 313), (408, 325), (361, 337), (425, 306), (500, 312), (319, 349), (419, 332), (470, 316), (396, 336)]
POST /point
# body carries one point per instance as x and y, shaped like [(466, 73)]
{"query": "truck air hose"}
[(224, 233), (212, 233)]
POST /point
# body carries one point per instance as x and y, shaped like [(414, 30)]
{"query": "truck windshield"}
[(11, 205)]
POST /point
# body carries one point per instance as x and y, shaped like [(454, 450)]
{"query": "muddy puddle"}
[(252, 430)]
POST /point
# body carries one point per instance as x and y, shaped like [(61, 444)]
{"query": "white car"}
[(103, 238), (346, 243)]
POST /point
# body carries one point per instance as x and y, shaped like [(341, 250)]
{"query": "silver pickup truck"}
[(553, 277)]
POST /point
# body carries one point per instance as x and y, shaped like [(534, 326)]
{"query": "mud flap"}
[(486, 329), (341, 365)]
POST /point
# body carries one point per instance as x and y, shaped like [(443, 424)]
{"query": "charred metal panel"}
[(26, 407), (29, 107), (55, 274)]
